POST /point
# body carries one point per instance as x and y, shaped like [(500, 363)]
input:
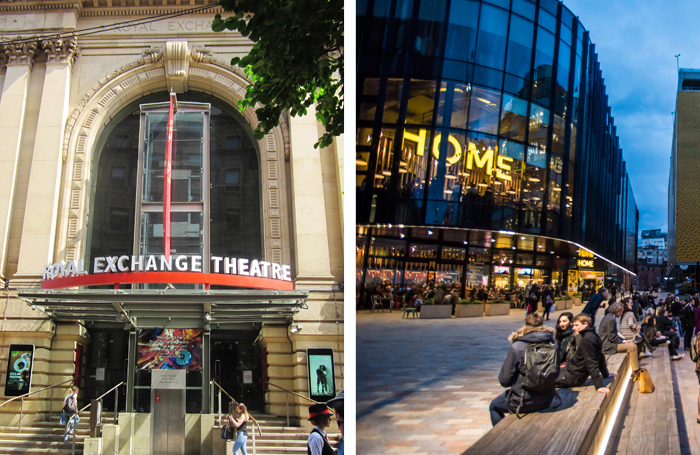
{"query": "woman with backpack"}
[(70, 409), (524, 397)]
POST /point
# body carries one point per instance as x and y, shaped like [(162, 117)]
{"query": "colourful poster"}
[(169, 349)]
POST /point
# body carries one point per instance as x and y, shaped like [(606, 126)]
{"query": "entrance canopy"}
[(172, 308)]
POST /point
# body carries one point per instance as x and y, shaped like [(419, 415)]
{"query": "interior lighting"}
[(403, 163), (448, 191), (402, 171), (430, 232), (556, 188), (497, 183), (482, 184), (386, 172), (450, 176), (378, 176), (534, 179), (359, 161), (402, 236), (465, 242)]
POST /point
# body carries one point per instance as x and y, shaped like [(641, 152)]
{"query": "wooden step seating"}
[(576, 426), (647, 423)]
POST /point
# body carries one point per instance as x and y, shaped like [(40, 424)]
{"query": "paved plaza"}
[(424, 386)]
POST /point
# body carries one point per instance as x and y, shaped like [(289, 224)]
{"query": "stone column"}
[(313, 265), (41, 213), (19, 58)]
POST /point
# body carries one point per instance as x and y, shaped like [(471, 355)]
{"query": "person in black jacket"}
[(594, 304), (688, 322), (665, 326), (588, 359), (564, 336), (514, 368), (612, 343)]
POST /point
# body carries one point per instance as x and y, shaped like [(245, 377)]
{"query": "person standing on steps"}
[(69, 414), (318, 443), (241, 425)]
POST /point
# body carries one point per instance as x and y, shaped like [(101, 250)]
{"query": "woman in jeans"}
[(241, 425)]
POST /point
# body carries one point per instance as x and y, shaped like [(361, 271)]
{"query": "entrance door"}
[(168, 412), (236, 364)]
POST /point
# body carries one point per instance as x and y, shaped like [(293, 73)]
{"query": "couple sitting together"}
[(542, 359)]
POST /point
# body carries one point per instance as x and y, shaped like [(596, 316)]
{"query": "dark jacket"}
[(608, 334), (688, 317), (676, 308), (588, 359), (637, 309), (663, 324), (547, 291), (567, 344), (593, 304), (514, 368)]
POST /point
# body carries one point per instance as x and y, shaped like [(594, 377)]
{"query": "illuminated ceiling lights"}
[(359, 161), (534, 179), (386, 172), (510, 191), (482, 184)]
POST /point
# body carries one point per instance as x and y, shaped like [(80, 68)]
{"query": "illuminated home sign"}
[(474, 158), (585, 262), (238, 272)]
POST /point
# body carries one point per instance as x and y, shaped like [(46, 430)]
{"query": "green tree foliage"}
[(297, 59)]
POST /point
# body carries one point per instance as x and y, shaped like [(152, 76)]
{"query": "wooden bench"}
[(647, 423), (576, 426)]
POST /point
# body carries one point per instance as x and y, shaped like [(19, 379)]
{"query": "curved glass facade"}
[(490, 116)]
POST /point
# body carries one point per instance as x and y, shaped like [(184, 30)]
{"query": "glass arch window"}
[(216, 177), (491, 45)]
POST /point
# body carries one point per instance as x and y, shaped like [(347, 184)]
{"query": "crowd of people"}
[(542, 359)]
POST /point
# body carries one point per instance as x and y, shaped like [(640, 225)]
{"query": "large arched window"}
[(216, 194)]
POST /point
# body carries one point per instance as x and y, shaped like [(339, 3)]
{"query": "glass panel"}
[(519, 86), (501, 257), (448, 275), (562, 88), (565, 35), (421, 101), (504, 241), (533, 188), (570, 191), (385, 154), (483, 112), (461, 30), (527, 243), (539, 122), (371, 87), (548, 21), (513, 118), (479, 255), (520, 46), (544, 53), (502, 3), (558, 135), (452, 69), (453, 104), (414, 161), (387, 248), (416, 274), (491, 46), (186, 156), (556, 168), (454, 254), (524, 8), (488, 77), (452, 235), (525, 259), (393, 100), (381, 274), (367, 111), (236, 227), (418, 250), (431, 19), (185, 235), (381, 8), (404, 9)]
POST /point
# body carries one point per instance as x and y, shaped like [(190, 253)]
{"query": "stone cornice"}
[(15, 7), (60, 50), (150, 10)]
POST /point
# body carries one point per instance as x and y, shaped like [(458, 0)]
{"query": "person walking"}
[(547, 301), (69, 413), (318, 443), (241, 425), (594, 304), (517, 399), (688, 322)]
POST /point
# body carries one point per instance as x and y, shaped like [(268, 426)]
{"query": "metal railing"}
[(235, 403), (287, 397), (95, 417), (22, 397)]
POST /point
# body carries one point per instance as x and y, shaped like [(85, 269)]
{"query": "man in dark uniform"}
[(318, 443)]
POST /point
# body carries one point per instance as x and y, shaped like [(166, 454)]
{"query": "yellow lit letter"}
[(480, 161), (418, 138), (500, 162), (455, 143)]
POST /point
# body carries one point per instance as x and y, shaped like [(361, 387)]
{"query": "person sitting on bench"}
[(612, 342), (664, 325), (588, 359), (517, 399)]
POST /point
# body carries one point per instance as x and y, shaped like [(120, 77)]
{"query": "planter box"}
[(469, 311), (569, 304), (578, 301), (436, 311), (559, 305), (497, 309)]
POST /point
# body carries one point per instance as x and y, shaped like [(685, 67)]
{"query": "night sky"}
[(636, 42)]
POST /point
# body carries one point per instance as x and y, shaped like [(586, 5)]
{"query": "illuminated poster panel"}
[(169, 349), (321, 374), (19, 369)]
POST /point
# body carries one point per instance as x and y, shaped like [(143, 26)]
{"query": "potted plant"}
[(467, 309), (559, 303), (497, 307), (430, 310), (578, 299), (568, 301)]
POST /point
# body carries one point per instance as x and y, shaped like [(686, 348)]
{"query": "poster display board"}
[(321, 374), (169, 349), (20, 364)]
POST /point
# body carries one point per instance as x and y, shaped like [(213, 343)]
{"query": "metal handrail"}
[(294, 393), (236, 403), (75, 429), (22, 397)]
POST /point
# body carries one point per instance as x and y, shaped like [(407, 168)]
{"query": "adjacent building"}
[(253, 281), (486, 150), (684, 190)]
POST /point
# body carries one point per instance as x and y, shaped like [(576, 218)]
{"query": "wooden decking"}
[(647, 422), (574, 427)]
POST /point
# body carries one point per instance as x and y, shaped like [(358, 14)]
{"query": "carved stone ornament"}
[(152, 55), (61, 50), (19, 52), (284, 125), (177, 65)]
